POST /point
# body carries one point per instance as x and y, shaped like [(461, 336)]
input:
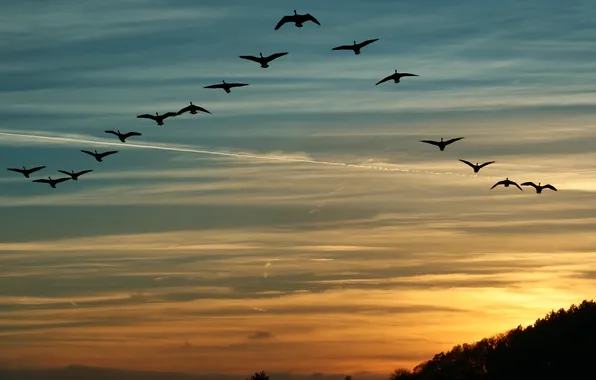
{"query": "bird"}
[(50, 181), (75, 176), (192, 109), (297, 19), (442, 144), (226, 86), (356, 47), (123, 136), (477, 167), (538, 187), (158, 118), (264, 61), (396, 77), (99, 156), (26, 172), (506, 182)]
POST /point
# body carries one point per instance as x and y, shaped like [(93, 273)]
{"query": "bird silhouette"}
[(75, 175), (123, 136), (192, 109), (441, 144), (226, 86), (26, 172), (538, 187), (297, 19), (50, 181), (356, 47), (99, 156), (477, 167), (157, 118), (264, 61), (396, 77), (506, 182)]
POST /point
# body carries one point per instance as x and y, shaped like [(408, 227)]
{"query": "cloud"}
[(260, 335)]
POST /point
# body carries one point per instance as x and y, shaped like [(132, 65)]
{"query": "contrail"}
[(226, 154)]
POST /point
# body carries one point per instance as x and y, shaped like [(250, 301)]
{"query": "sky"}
[(301, 227)]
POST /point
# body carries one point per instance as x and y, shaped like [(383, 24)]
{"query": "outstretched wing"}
[(453, 140), (275, 56), (344, 47), (309, 17), (112, 132), (61, 180), (82, 172), (214, 86), (486, 163), (516, 185), (385, 79), (127, 135), (467, 163), (237, 84), (183, 110), (367, 42), (401, 75), (41, 180), (37, 168), (201, 109), (283, 21), (15, 170), (549, 187), (168, 114), (529, 184), (250, 58), (65, 172), (430, 142), (497, 184), (146, 116), (88, 152), (104, 154)]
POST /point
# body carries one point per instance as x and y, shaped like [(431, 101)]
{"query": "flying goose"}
[(264, 61), (26, 172), (226, 86), (158, 118), (192, 109), (356, 47), (396, 77), (75, 176), (99, 156), (538, 187), (123, 136), (506, 182), (297, 19), (477, 167), (442, 144), (50, 181)]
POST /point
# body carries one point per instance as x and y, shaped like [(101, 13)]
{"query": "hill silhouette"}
[(561, 345)]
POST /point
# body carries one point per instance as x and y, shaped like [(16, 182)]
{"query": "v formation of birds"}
[(264, 61)]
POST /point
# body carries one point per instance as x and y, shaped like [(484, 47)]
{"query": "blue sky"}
[(223, 245)]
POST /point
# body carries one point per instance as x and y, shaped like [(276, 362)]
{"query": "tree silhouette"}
[(259, 376), (560, 346)]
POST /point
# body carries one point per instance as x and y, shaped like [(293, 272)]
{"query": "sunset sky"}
[(357, 248)]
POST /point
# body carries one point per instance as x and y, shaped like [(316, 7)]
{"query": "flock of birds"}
[(264, 61)]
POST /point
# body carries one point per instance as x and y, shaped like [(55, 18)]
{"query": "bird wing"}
[(250, 58), (367, 42), (126, 135), (16, 170), (309, 17), (529, 184), (183, 110), (214, 86), (108, 153), (406, 75), (65, 172), (36, 169), (201, 109), (430, 142), (82, 172), (549, 187), (486, 163), (453, 140), (344, 47), (498, 183), (146, 116), (58, 180), (168, 114), (283, 21), (41, 180), (112, 132), (275, 56), (237, 84), (386, 79), (516, 185), (89, 153), (467, 163)]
